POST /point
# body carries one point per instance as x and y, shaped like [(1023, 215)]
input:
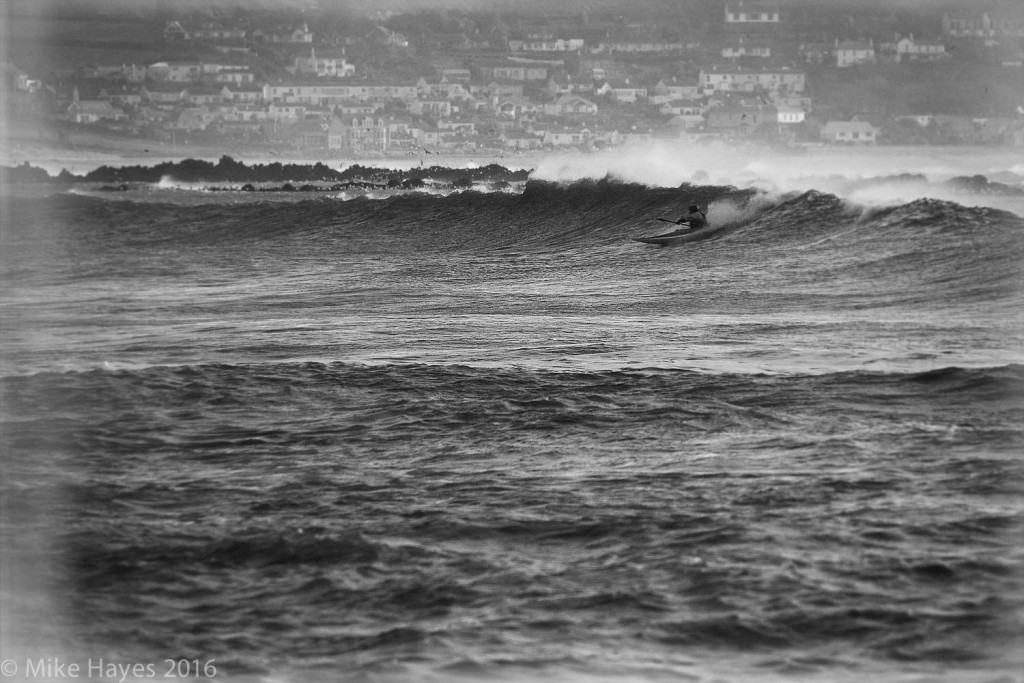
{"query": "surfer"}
[(694, 220)]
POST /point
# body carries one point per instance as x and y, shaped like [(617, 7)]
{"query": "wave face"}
[(484, 435)]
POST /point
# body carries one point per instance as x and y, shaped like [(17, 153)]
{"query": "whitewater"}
[(479, 434)]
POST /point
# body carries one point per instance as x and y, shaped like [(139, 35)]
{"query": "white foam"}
[(844, 171)]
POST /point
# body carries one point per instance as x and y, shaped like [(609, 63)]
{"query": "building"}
[(570, 105), (740, 79), (517, 139), (1003, 22), (622, 92), (320, 93), (791, 115), (922, 120), (747, 46), (174, 32), (241, 92), (546, 45), (164, 93), (203, 93), (446, 89), (667, 92), (431, 107), (291, 35), (351, 108), (383, 36), (853, 132), (743, 15), (175, 72), (567, 136), (514, 72), (854, 52), (455, 74), (331, 65), (516, 109), (129, 72), (639, 47), (740, 119), (909, 50), (286, 113), (227, 71), (94, 111), (213, 32), (246, 113), (815, 53), (684, 113)]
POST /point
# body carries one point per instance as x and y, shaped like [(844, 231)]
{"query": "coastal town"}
[(331, 85)]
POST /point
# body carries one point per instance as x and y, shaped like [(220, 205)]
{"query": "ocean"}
[(482, 435)]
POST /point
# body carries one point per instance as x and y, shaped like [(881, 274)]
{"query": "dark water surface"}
[(484, 436)]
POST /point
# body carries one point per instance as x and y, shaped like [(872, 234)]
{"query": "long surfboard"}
[(666, 240)]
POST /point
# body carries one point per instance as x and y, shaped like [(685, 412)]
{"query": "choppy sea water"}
[(476, 436)]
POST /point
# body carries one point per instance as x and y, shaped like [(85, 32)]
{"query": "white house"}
[(745, 46), (241, 92), (791, 115), (455, 126), (1003, 21), (639, 47), (515, 108), (516, 72), (455, 74), (743, 14), (323, 66), (93, 111), (849, 132), (622, 92), (909, 50), (214, 32), (853, 52), (567, 137), (739, 79)]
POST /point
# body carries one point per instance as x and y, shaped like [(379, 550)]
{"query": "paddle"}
[(669, 220)]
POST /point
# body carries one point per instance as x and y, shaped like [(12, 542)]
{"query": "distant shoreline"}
[(228, 173), (90, 152), (663, 163), (81, 161)]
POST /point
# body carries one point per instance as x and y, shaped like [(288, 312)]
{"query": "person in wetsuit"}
[(694, 220)]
